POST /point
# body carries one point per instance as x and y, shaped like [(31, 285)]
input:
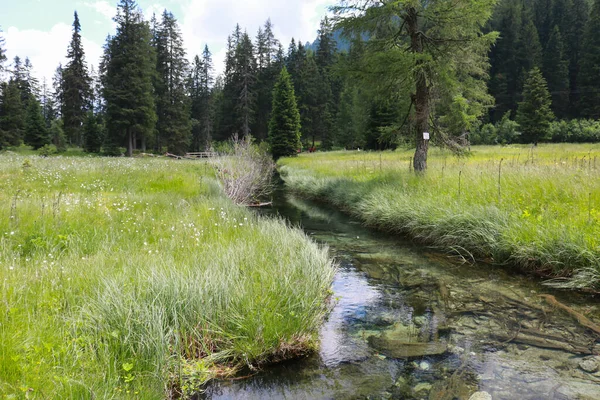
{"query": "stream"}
[(409, 323)]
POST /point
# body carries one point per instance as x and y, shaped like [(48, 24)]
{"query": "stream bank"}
[(410, 324)]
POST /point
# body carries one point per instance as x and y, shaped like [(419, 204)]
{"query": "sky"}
[(41, 29)]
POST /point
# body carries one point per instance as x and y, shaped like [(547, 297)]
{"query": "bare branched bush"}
[(245, 171)]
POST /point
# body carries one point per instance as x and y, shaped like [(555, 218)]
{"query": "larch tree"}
[(127, 81), (534, 113), (421, 46), (76, 89), (284, 126)]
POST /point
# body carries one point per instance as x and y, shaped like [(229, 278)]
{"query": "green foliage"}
[(534, 114), (284, 127), (57, 135), (575, 131), (590, 65), (47, 150), (505, 131), (432, 62), (12, 115), (76, 88), (128, 68), (172, 104), (93, 134), (36, 133), (104, 284), (545, 220), (556, 72)]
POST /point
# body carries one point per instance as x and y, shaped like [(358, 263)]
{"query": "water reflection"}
[(408, 324)]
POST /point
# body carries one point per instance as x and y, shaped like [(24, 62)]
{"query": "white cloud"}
[(210, 22), (104, 8), (153, 9), (46, 49)]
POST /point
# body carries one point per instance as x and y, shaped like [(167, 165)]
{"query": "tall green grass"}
[(536, 208), (125, 278)]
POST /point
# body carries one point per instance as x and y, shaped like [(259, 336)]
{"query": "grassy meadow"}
[(137, 278), (536, 208)]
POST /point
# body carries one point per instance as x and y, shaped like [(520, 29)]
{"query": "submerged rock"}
[(481, 396), (589, 365), (398, 349)]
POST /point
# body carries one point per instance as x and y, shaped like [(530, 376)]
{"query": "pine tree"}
[(173, 125), (556, 72), (534, 113), (36, 133), (127, 81), (284, 126), (76, 87), (590, 66)]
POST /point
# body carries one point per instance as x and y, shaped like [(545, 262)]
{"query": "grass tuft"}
[(534, 208)]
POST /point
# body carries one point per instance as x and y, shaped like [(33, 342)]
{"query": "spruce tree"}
[(92, 134), (284, 126), (590, 66), (57, 135), (173, 125), (268, 69), (556, 72), (196, 106), (127, 81), (505, 70), (534, 113), (327, 104), (36, 133), (76, 87), (245, 85), (12, 115)]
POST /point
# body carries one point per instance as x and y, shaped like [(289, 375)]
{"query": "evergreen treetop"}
[(284, 126), (534, 113)]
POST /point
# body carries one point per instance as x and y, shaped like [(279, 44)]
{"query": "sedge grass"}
[(129, 278), (536, 208)]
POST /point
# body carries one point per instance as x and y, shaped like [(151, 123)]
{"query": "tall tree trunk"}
[(421, 97)]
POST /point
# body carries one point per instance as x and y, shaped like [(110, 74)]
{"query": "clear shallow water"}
[(410, 324)]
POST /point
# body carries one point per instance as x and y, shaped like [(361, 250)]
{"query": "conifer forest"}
[(403, 205), (488, 76)]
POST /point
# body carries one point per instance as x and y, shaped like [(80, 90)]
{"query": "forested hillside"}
[(487, 75)]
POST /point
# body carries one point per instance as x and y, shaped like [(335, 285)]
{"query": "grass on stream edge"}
[(131, 278), (536, 208)]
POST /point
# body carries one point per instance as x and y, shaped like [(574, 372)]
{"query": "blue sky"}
[(41, 29)]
